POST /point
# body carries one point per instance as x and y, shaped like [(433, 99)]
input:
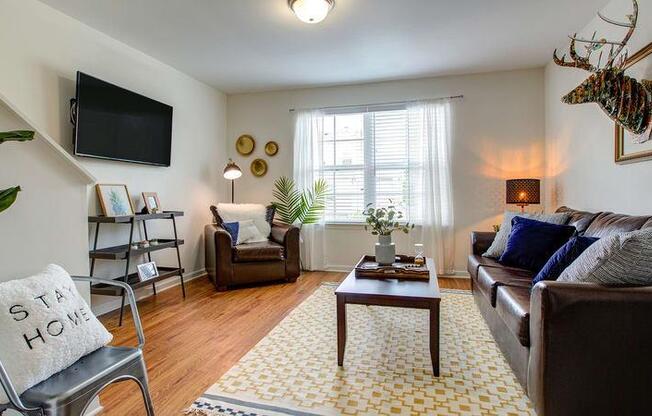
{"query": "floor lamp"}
[(232, 172), (523, 192)]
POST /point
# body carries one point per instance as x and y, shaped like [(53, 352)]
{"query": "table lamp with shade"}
[(523, 192), (232, 172)]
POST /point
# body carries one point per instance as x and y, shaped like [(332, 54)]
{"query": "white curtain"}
[(430, 143), (308, 131)]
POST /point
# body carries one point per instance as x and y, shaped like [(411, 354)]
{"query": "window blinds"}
[(368, 158)]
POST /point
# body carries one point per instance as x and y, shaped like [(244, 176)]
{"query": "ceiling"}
[(255, 45)]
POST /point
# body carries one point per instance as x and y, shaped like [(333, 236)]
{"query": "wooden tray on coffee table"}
[(403, 268)]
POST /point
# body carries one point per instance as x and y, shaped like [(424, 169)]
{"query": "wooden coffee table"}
[(391, 292)]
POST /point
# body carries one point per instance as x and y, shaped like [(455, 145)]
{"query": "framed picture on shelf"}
[(114, 200), (147, 271), (152, 203), (628, 148)]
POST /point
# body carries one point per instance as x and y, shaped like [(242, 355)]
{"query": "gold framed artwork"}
[(271, 148), (639, 66), (152, 203), (114, 200), (245, 144), (258, 167)]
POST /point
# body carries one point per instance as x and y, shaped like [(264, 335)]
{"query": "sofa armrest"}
[(590, 349), (218, 255), (288, 236), (481, 241)]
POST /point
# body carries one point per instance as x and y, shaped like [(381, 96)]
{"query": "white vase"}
[(385, 250)]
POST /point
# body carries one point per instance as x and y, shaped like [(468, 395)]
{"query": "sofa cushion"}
[(513, 306), (579, 219), (490, 278), (266, 251), (531, 243), (476, 261), (608, 223), (648, 224)]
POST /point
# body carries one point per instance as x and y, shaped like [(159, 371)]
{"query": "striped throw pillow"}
[(618, 259)]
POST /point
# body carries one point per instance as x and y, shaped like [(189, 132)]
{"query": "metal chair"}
[(71, 391)]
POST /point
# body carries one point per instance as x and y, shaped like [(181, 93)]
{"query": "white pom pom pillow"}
[(45, 327)]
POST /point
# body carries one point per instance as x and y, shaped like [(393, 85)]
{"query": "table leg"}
[(434, 338), (341, 329)]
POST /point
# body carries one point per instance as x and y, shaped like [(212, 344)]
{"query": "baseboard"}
[(147, 291), (457, 274), (338, 268)]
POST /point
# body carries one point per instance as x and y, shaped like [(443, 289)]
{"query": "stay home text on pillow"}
[(45, 327)]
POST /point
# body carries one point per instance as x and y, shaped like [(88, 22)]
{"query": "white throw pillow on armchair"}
[(249, 233), (243, 212), (45, 327)]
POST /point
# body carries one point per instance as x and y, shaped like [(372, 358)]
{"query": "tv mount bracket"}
[(73, 111)]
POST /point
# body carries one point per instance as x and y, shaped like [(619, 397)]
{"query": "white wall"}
[(580, 138), (33, 228), (499, 129), (41, 51)]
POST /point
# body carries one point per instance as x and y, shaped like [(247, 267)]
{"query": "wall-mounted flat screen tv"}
[(117, 124)]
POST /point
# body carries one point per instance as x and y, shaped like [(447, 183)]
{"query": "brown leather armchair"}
[(272, 260)]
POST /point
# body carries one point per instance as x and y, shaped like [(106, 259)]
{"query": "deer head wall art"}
[(625, 100)]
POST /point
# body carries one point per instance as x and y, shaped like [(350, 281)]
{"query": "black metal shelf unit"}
[(126, 251)]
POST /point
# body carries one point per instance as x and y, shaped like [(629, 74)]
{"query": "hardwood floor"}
[(192, 342)]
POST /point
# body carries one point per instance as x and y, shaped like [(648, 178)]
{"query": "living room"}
[(276, 139)]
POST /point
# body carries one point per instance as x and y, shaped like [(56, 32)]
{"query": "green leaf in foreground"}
[(16, 136), (8, 197)]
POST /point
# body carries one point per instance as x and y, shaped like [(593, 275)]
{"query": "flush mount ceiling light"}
[(311, 11)]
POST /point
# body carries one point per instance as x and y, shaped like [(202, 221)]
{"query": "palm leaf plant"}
[(299, 207), (8, 196)]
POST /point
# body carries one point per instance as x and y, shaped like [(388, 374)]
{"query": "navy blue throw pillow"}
[(232, 228), (531, 243), (563, 258)]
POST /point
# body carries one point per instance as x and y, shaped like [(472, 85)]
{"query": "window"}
[(367, 158)]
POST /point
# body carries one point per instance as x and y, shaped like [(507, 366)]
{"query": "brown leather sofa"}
[(272, 260), (576, 348)]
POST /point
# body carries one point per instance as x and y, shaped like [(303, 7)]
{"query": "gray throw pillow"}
[(500, 242), (618, 259)]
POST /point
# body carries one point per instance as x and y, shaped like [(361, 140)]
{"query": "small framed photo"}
[(147, 271), (114, 200), (152, 203)]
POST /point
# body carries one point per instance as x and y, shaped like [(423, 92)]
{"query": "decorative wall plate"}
[(259, 167), (245, 144), (271, 148)]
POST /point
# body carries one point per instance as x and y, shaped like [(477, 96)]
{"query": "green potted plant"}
[(8, 196), (383, 222), (295, 207)]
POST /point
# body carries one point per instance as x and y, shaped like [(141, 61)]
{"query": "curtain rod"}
[(375, 104)]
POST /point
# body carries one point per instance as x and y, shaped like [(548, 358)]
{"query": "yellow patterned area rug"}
[(387, 368)]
